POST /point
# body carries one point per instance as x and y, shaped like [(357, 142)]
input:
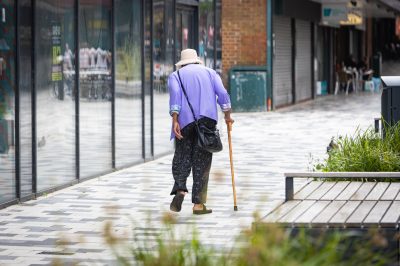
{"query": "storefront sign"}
[(56, 68), (354, 17), (342, 14), (334, 13)]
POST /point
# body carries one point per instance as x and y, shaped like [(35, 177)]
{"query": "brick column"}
[(244, 33)]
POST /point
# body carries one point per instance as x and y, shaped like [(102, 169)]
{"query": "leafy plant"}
[(127, 66), (364, 152)]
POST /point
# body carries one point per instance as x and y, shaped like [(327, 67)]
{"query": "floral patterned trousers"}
[(190, 157)]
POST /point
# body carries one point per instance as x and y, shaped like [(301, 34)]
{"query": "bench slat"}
[(393, 214), (281, 211), (297, 186), (391, 191), (377, 212), (291, 216), (336, 190), (321, 191), (349, 191), (312, 212), (307, 190), (344, 213), (361, 212), (363, 191), (328, 212), (378, 191)]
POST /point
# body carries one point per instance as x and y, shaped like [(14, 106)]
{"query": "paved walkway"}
[(265, 146)]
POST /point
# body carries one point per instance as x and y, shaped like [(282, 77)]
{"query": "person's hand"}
[(229, 120), (177, 130)]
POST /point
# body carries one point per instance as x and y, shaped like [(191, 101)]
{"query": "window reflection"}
[(95, 86), (148, 7), (218, 38), (7, 116), (206, 32), (25, 96), (163, 65), (54, 93), (185, 17), (128, 82)]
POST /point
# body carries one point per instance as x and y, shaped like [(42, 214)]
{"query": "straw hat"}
[(188, 56)]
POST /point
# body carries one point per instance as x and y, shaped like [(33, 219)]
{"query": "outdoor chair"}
[(341, 80), (350, 79)]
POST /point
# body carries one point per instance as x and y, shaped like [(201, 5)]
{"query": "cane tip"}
[(235, 208)]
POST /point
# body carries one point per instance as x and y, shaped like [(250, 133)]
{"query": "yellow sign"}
[(56, 76), (56, 54), (352, 19), (98, 24)]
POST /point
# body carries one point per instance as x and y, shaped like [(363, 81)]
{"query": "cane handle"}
[(229, 126)]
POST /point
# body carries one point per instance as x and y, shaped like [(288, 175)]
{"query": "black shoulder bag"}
[(207, 138)]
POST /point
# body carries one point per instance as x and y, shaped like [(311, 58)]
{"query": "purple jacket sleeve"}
[(223, 97), (175, 95)]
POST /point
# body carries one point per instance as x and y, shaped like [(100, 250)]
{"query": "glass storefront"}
[(25, 96), (7, 101), (77, 107), (95, 43), (218, 37), (148, 77), (128, 82), (55, 107), (163, 65), (206, 32), (185, 30)]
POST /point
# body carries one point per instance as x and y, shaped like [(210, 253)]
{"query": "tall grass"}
[(364, 152), (264, 244)]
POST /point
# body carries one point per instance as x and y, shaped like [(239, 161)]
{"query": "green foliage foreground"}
[(364, 152), (264, 244)]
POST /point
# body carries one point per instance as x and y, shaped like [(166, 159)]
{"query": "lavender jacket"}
[(203, 86)]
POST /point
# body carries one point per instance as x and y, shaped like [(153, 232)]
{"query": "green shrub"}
[(364, 152)]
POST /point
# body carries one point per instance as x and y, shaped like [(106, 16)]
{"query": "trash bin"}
[(248, 88), (390, 100)]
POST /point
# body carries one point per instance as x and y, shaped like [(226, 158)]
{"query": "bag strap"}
[(187, 98)]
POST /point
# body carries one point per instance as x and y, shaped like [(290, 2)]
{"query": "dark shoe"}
[(176, 204), (203, 211)]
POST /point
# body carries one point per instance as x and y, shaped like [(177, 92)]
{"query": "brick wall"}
[(243, 33)]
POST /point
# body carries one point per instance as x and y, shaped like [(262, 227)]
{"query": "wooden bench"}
[(339, 175), (340, 204), (324, 205)]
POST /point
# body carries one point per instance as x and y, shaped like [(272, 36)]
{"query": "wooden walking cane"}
[(229, 125)]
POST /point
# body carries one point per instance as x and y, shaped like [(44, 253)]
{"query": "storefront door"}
[(185, 29)]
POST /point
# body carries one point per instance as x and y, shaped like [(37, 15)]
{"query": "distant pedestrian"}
[(203, 86)]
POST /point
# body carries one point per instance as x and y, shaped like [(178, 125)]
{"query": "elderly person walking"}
[(203, 86)]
